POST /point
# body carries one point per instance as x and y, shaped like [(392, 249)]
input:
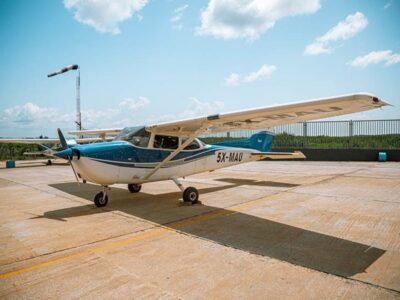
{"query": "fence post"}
[(228, 135), (305, 134), (350, 133)]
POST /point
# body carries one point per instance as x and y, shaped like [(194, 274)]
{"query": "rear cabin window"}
[(166, 142)]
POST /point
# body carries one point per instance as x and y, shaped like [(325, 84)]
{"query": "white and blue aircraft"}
[(171, 150)]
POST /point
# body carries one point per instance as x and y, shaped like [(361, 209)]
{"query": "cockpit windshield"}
[(137, 136)]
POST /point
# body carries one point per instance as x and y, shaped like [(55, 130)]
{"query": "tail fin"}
[(261, 141), (62, 139)]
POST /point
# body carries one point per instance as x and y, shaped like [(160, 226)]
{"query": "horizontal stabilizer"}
[(32, 153), (279, 155)]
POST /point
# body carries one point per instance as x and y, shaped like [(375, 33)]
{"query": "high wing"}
[(50, 141), (98, 132), (30, 141), (266, 117)]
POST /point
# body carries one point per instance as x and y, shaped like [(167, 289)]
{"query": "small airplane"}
[(171, 150), (50, 151)]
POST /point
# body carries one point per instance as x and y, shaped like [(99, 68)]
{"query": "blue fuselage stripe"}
[(124, 154)]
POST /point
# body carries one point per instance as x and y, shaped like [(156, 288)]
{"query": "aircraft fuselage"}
[(121, 162)]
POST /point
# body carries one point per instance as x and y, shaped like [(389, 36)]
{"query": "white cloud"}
[(201, 108), (181, 9), (196, 108), (342, 31), (33, 116), (134, 105), (104, 15), (29, 113), (176, 19), (388, 4), (232, 79), (230, 19), (265, 71), (375, 57)]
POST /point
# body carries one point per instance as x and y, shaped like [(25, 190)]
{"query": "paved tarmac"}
[(276, 230)]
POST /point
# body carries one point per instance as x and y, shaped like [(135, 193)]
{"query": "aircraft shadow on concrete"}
[(239, 181), (238, 230)]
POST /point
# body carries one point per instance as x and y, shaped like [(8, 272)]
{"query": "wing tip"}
[(376, 101)]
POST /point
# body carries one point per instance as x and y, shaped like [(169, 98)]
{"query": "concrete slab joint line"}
[(267, 228), (153, 233)]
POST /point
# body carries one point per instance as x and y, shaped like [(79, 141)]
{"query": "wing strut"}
[(172, 155)]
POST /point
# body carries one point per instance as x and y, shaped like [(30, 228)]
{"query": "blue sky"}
[(147, 61)]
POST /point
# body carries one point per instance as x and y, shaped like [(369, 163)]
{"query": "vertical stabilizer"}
[(261, 141)]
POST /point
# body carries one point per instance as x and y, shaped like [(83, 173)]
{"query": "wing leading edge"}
[(266, 117), (50, 141), (98, 132), (30, 141)]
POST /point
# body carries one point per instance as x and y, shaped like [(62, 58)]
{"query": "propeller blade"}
[(62, 139)]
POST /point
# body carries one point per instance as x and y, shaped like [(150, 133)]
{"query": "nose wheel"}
[(134, 188), (101, 199)]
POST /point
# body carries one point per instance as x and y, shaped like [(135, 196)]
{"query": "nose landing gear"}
[(101, 198), (134, 188)]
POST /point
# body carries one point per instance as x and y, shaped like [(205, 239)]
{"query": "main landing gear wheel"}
[(134, 188), (191, 194), (101, 199)]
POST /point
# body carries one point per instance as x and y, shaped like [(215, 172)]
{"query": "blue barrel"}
[(382, 156), (10, 164)]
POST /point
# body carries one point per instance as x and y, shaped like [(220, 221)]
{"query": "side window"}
[(166, 142), (192, 146)]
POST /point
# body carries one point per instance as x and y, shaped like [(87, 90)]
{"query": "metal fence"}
[(326, 128), (352, 130), (341, 128)]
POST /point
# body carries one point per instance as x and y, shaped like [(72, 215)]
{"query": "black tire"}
[(191, 194), (134, 188), (49, 162), (100, 201)]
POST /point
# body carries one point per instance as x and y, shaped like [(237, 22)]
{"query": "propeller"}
[(63, 142), (67, 152)]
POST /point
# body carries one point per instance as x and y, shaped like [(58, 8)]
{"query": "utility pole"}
[(78, 120)]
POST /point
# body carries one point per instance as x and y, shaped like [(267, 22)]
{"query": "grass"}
[(390, 141), (10, 151)]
